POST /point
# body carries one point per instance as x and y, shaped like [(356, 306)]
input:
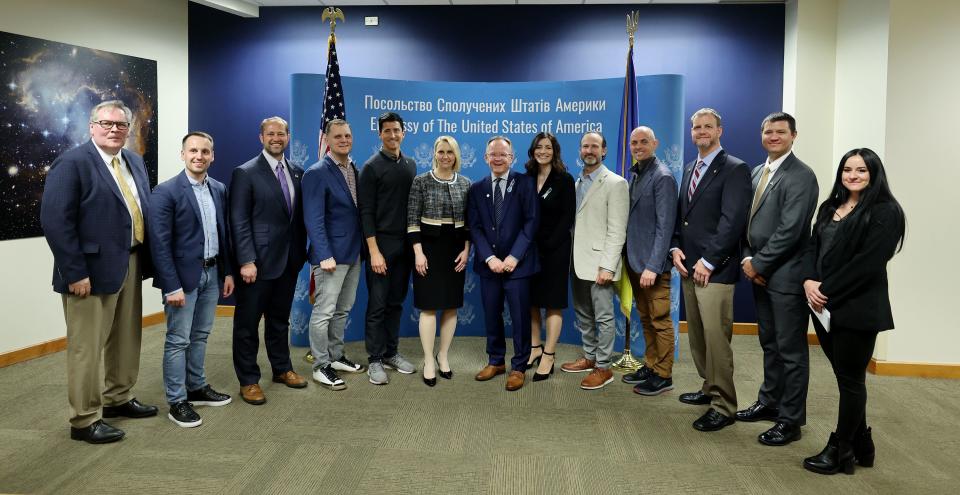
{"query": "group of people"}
[(536, 234)]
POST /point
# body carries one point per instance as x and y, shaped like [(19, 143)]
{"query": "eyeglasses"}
[(108, 124), (505, 156)]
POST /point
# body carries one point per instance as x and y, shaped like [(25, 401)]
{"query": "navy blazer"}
[(331, 217), (514, 236), (176, 233), (263, 230), (86, 222), (653, 213), (712, 223)]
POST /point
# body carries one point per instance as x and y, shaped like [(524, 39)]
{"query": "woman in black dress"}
[(441, 245), (858, 229), (548, 288)]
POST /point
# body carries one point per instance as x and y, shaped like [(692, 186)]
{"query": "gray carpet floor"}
[(464, 436)]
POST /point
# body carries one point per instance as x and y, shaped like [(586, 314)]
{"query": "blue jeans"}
[(187, 330)]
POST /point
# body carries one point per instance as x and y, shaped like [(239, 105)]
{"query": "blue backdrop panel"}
[(472, 112)]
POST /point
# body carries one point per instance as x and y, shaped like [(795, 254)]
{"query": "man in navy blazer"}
[(502, 215), (95, 205), (333, 227), (190, 243), (269, 242), (653, 212), (714, 199)]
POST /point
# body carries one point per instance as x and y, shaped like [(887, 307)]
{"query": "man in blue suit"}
[(333, 227), (653, 213), (270, 246), (502, 214), (711, 217), (94, 210), (191, 251)]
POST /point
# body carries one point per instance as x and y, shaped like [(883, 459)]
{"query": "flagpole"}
[(627, 362), (330, 14)]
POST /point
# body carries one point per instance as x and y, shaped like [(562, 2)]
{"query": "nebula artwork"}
[(47, 90)]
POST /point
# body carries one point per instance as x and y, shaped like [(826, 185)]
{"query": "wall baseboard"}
[(877, 367), (57, 345)]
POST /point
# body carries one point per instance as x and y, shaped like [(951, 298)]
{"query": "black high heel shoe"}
[(837, 456), (537, 377), (429, 381), (536, 361), (446, 375)]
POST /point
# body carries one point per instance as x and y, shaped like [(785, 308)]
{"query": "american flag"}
[(333, 105)]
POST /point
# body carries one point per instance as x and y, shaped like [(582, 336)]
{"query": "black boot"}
[(863, 448), (835, 457)]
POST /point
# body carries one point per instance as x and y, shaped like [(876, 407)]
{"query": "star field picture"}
[(46, 92)]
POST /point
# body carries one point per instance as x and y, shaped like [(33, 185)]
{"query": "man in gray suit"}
[(653, 213), (784, 199)]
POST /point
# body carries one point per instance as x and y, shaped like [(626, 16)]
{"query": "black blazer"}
[(854, 269), (711, 225), (262, 229), (558, 205)]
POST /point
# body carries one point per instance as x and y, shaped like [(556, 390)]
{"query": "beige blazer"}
[(600, 229)]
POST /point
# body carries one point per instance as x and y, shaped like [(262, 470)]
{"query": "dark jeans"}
[(385, 296), (270, 299), (849, 352)]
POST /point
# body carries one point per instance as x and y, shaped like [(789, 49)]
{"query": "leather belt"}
[(207, 263)]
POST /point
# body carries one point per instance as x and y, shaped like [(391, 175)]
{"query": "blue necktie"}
[(497, 201)]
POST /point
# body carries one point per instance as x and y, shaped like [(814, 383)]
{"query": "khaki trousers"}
[(107, 324), (653, 305), (710, 328)]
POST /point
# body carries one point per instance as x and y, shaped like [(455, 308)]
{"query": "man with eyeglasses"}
[(94, 210), (502, 215)]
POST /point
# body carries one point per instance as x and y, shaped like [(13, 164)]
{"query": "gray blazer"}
[(780, 228), (653, 214)]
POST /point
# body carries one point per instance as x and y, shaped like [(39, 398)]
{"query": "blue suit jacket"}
[(711, 224), (514, 236), (330, 215), (262, 229), (176, 233), (653, 213), (86, 222)]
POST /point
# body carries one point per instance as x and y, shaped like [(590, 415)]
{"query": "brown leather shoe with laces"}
[(597, 379), (579, 366), (489, 371), (252, 394), (291, 379), (515, 381)]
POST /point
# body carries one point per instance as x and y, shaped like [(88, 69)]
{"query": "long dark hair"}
[(556, 163), (876, 192)]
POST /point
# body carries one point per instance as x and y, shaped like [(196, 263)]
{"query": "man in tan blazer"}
[(599, 231)]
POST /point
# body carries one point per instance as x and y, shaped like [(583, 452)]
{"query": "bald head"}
[(643, 143)]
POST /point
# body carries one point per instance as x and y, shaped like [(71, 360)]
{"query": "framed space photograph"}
[(47, 90)]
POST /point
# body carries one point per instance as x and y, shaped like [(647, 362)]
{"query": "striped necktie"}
[(697, 170), (497, 201)]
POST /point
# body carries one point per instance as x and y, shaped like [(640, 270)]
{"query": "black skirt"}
[(548, 287), (442, 287)]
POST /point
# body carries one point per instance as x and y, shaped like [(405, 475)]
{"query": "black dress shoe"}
[(758, 411), (98, 432), (131, 409), (712, 420), (697, 398), (835, 457), (780, 434)]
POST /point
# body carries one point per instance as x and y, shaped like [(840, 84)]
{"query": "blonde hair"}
[(456, 151)]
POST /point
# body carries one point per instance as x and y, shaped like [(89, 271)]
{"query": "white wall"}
[(924, 174), (152, 29)]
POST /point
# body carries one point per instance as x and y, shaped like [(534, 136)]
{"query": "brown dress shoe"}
[(578, 366), (489, 371), (515, 381), (253, 394), (291, 379), (597, 379)]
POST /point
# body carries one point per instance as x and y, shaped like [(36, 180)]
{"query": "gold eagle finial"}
[(332, 14)]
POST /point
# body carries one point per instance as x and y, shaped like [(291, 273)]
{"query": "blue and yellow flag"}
[(629, 120)]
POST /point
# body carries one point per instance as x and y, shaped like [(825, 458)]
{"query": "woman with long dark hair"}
[(858, 229), (548, 288)]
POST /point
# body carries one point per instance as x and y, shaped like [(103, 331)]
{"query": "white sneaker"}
[(328, 377)]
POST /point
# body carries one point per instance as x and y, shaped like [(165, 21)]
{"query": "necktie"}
[(131, 201), (497, 201), (697, 169), (282, 177), (764, 177)]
